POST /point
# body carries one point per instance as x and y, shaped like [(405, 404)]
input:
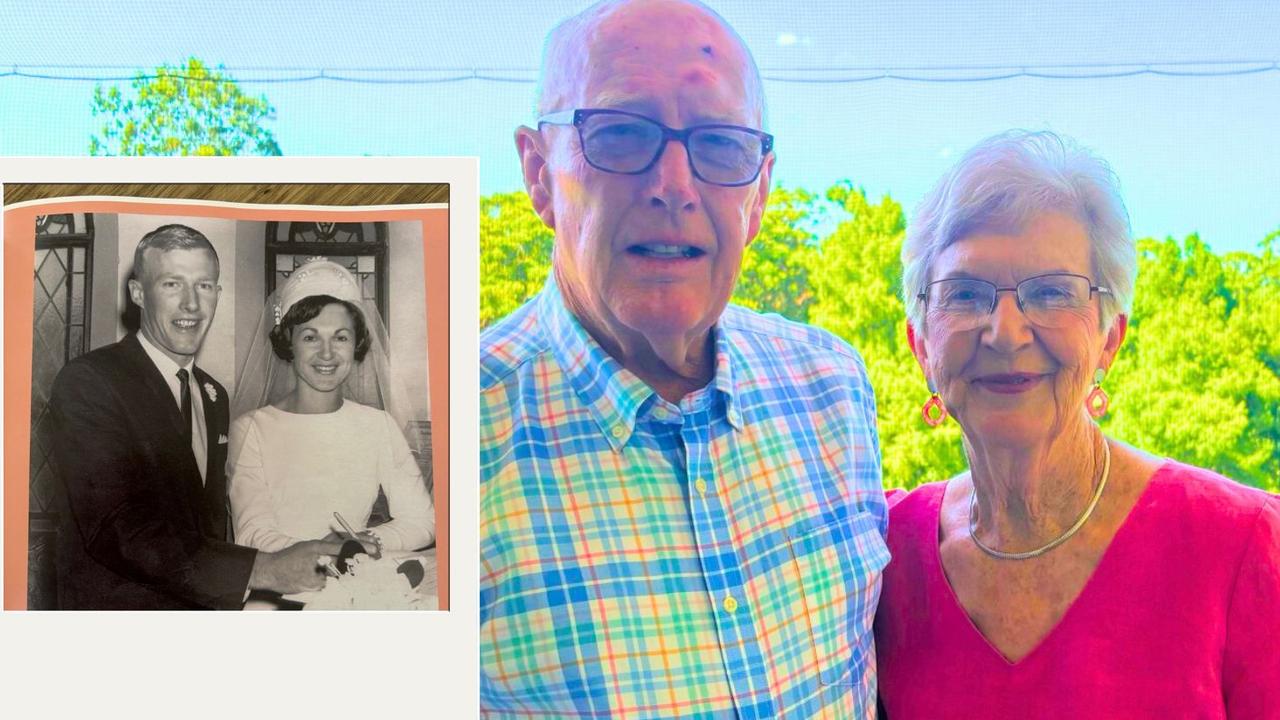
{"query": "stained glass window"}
[(62, 291), (359, 247)]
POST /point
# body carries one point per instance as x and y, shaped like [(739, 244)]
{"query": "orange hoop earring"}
[(933, 411), (1096, 402)]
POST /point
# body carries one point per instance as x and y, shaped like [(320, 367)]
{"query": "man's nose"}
[(672, 179), (190, 299)]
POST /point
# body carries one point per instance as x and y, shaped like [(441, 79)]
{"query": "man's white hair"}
[(565, 56)]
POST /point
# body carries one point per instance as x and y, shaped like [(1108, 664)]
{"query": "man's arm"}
[(121, 521)]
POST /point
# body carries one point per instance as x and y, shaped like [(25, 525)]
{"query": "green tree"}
[(515, 254), (777, 264), (1198, 378), (185, 110), (858, 284)]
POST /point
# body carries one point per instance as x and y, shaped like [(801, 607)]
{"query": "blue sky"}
[(1194, 152)]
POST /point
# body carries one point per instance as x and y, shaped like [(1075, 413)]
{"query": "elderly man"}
[(140, 442), (680, 503)]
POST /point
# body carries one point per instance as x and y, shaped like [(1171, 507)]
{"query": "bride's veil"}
[(265, 379)]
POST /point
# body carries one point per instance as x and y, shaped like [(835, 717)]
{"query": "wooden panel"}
[(275, 194)]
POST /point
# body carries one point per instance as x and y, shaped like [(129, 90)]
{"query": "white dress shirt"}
[(169, 370)]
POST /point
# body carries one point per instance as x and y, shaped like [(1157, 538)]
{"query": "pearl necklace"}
[(1093, 503)]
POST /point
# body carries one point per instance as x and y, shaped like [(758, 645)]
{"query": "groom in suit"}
[(140, 447)]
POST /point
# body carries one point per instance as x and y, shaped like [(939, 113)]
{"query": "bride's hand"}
[(372, 546)]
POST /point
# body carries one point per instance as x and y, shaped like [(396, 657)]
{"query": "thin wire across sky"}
[(810, 75), (1182, 98)]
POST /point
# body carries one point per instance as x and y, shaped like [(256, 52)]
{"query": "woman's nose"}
[(1007, 326)]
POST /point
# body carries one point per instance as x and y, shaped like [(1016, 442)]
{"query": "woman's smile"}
[(1009, 383)]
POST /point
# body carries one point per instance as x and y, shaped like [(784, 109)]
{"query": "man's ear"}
[(135, 292), (537, 176), (762, 199)]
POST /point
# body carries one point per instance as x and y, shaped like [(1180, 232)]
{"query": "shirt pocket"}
[(839, 566)]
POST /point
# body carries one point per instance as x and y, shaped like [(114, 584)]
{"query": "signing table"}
[(427, 590)]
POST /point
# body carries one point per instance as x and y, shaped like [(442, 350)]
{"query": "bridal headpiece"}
[(317, 276)]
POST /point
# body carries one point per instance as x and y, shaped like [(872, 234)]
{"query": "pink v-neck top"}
[(1181, 618)]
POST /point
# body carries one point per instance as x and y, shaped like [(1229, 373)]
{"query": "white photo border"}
[(330, 664)]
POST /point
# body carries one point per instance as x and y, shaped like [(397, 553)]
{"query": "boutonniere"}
[(211, 391)]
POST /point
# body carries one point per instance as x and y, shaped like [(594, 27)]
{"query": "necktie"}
[(186, 404)]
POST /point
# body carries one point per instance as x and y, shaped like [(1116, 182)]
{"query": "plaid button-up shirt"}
[(716, 558)]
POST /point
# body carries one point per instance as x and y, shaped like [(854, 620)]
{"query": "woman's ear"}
[(916, 343), (1115, 338), (537, 176)]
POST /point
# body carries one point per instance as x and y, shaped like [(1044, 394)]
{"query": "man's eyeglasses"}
[(1052, 300), (617, 141)]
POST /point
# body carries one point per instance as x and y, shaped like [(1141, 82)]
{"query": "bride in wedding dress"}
[(319, 425)]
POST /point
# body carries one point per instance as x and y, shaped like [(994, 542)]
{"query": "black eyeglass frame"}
[(995, 297), (579, 117)]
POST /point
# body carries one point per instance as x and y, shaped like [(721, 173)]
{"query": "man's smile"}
[(665, 251)]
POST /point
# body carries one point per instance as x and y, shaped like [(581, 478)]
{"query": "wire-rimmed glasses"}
[(1051, 300), (617, 141)]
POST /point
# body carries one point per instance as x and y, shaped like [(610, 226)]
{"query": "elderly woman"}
[(1065, 574)]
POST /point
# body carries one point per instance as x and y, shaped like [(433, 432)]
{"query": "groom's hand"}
[(294, 569)]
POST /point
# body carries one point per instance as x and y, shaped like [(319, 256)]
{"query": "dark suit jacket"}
[(139, 529)]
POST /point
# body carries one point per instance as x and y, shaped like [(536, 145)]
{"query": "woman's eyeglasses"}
[(1050, 300)]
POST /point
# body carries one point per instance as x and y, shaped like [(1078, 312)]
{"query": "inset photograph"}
[(231, 406)]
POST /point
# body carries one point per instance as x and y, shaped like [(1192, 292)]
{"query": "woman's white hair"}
[(1001, 184)]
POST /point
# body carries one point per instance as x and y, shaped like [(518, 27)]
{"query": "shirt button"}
[(617, 431), (730, 604), (701, 485)]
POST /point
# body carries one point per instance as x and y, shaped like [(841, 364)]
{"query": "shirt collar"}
[(613, 394), (724, 380), (165, 364)]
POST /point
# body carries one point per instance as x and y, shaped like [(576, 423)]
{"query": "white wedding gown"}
[(289, 472)]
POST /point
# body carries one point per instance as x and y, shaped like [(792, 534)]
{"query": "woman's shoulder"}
[(1206, 494), (920, 495), (366, 416), (350, 412), (246, 420), (366, 413), (914, 507), (1192, 508)]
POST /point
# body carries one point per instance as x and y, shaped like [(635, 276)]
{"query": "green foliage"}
[(186, 110), (1198, 378), (776, 266), (515, 254), (859, 288)]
